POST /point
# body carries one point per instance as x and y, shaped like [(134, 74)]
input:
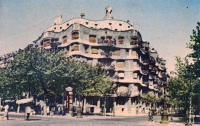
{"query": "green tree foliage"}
[(88, 80), (45, 72), (184, 85), (195, 46)]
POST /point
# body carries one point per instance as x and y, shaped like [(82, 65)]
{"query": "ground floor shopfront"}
[(115, 105)]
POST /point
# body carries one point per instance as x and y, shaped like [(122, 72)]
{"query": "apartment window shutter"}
[(135, 64), (121, 40), (127, 52), (94, 50), (116, 53), (92, 38), (64, 39), (120, 64), (75, 35), (134, 75), (134, 53)]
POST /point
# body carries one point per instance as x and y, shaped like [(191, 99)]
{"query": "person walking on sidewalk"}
[(6, 107), (28, 111), (150, 115)]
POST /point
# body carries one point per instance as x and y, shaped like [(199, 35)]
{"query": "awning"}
[(23, 101), (6, 101)]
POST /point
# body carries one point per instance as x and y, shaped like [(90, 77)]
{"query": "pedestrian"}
[(150, 115), (6, 107), (28, 111)]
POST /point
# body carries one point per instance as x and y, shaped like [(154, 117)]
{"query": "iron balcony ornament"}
[(124, 94), (110, 67), (107, 54), (107, 42)]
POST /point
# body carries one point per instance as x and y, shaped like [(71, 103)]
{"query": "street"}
[(91, 120)]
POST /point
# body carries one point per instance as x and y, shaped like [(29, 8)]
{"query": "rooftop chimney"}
[(82, 15)]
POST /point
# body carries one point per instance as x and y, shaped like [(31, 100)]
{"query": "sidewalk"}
[(174, 122)]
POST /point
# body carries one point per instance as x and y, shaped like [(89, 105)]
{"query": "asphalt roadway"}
[(17, 119)]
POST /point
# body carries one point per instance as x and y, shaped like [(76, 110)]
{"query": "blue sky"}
[(166, 24)]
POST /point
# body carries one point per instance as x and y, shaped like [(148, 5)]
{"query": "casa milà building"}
[(132, 64)]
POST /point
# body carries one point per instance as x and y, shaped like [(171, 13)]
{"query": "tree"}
[(195, 46), (148, 98), (36, 71), (184, 85)]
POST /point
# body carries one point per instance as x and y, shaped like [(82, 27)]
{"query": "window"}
[(134, 75), (133, 41), (64, 39), (75, 47), (94, 50), (135, 64), (86, 49), (92, 38), (127, 52), (46, 42), (120, 64), (134, 53), (75, 35), (116, 52), (121, 74), (108, 38), (121, 40)]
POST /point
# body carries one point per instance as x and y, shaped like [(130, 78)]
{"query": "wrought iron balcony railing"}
[(110, 67), (145, 82), (143, 50), (124, 94), (107, 54), (108, 42), (145, 71), (145, 61)]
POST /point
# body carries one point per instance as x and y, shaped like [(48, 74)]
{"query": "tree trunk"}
[(45, 104)]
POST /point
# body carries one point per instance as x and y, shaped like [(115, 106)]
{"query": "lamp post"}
[(164, 116), (79, 110)]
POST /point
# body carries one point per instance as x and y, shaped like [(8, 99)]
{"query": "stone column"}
[(129, 105)]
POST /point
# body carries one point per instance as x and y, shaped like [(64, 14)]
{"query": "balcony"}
[(145, 61), (124, 94), (145, 82), (154, 70), (152, 60), (145, 44), (145, 71), (106, 54), (152, 77), (144, 51), (108, 42), (110, 67)]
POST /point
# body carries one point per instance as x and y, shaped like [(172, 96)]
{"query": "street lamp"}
[(79, 110), (164, 116)]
